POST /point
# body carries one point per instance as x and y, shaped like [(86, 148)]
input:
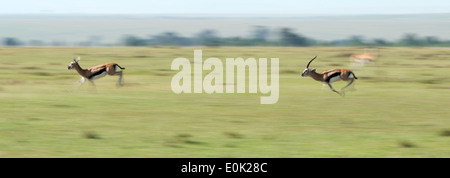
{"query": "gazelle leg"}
[(119, 82), (80, 82), (93, 85), (77, 85), (92, 82), (331, 87), (349, 83)]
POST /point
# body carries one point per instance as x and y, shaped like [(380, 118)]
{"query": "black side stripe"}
[(332, 75), (97, 73)]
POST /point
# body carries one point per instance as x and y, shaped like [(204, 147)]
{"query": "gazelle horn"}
[(307, 66)]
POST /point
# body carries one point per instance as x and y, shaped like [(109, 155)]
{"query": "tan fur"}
[(110, 68), (88, 74), (364, 56), (359, 58), (323, 76), (369, 56)]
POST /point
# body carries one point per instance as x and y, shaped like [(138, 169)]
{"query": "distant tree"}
[(134, 41), (289, 38), (356, 41), (11, 42), (260, 33), (431, 40), (238, 41), (410, 39), (170, 39), (380, 42), (208, 38), (339, 43)]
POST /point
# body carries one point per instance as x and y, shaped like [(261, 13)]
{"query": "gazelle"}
[(364, 58), (330, 76), (96, 72)]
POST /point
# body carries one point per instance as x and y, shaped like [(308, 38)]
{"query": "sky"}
[(245, 7)]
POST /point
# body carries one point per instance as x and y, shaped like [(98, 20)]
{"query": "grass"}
[(399, 107), (406, 144), (445, 133), (91, 135)]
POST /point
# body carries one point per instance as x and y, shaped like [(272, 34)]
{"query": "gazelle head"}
[(307, 71), (73, 63)]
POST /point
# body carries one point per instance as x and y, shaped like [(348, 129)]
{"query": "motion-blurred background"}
[(398, 107), (225, 23)]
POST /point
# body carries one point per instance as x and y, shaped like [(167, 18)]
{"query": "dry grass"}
[(397, 98)]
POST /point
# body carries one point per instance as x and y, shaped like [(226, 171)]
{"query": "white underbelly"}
[(350, 76), (99, 76), (336, 78)]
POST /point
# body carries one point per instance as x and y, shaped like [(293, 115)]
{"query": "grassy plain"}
[(399, 106)]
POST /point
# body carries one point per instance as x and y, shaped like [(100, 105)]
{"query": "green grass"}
[(399, 107)]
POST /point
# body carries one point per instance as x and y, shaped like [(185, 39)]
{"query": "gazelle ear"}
[(78, 59), (74, 59)]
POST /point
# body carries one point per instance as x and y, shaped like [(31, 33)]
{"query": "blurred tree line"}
[(260, 36)]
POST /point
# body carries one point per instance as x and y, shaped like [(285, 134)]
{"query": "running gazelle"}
[(96, 72), (330, 76), (369, 56)]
